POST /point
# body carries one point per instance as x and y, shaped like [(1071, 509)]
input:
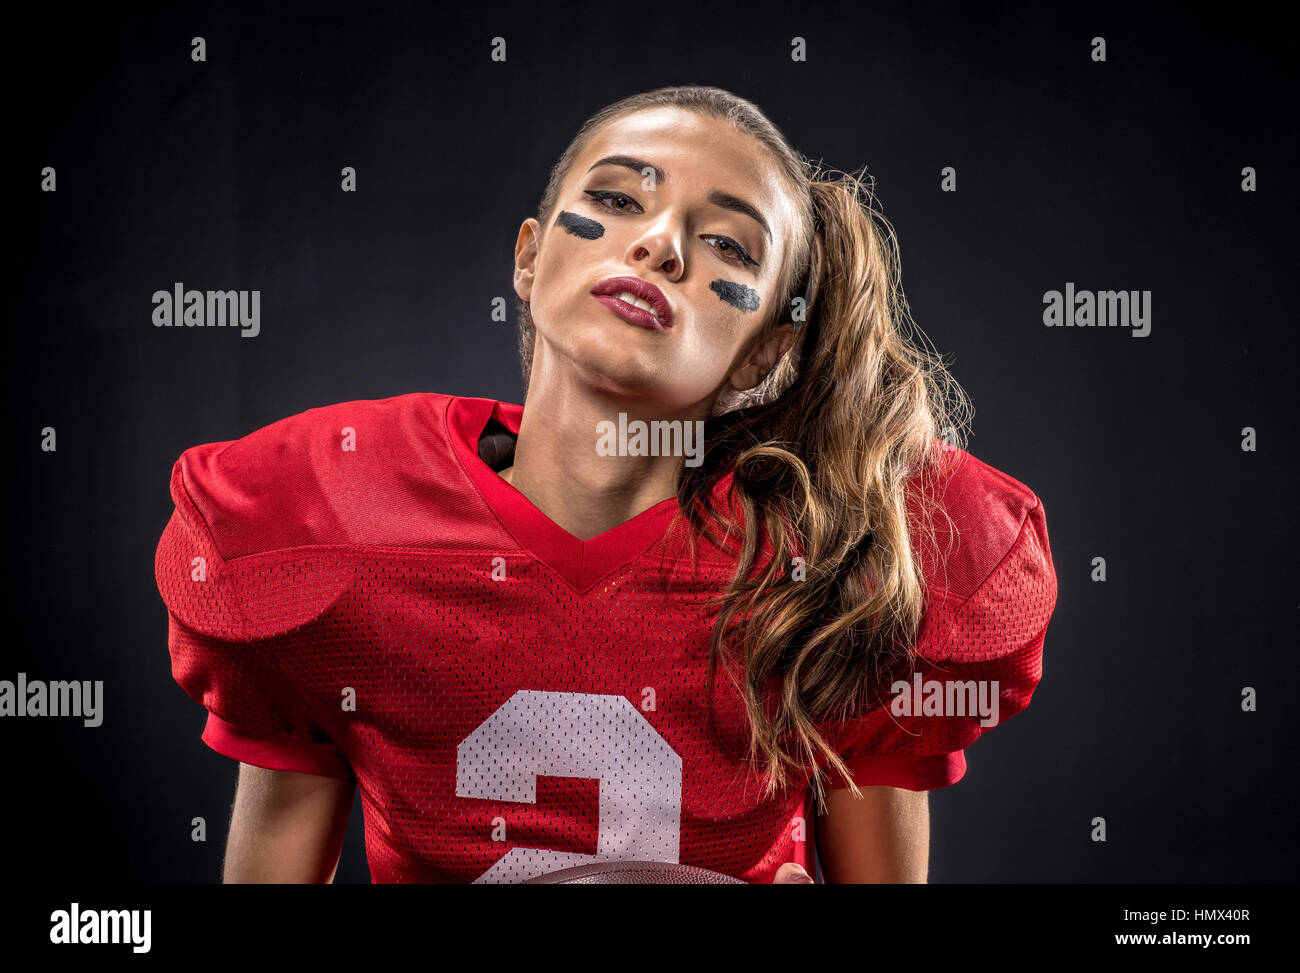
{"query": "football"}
[(634, 873)]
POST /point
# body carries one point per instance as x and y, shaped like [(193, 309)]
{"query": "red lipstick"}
[(661, 319)]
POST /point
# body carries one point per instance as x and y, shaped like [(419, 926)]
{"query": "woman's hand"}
[(792, 873)]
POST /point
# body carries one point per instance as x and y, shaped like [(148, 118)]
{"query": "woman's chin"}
[(616, 362), (618, 365)]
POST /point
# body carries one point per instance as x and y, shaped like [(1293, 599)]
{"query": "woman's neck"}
[(558, 468)]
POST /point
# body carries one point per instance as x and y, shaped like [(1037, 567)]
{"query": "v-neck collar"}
[(580, 563)]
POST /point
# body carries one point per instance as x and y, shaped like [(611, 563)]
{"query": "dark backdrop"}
[(1117, 175)]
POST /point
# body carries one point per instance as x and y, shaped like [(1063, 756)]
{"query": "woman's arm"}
[(884, 836), (286, 826)]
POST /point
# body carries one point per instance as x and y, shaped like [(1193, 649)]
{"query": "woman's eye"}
[(605, 196), (617, 202), (732, 250)]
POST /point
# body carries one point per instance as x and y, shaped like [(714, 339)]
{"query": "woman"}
[(504, 623)]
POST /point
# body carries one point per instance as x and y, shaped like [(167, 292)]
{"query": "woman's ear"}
[(526, 258), (764, 356)]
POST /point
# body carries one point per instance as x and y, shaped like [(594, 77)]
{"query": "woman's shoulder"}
[(318, 476), (968, 519)]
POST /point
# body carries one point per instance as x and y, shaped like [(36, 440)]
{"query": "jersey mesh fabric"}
[(993, 637), (512, 700)]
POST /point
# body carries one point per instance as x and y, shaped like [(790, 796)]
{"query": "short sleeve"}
[(981, 659), (222, 662)]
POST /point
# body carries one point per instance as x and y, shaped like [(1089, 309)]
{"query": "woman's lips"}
[(630, 312)]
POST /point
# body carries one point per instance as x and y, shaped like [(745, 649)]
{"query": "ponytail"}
[(821, 453)]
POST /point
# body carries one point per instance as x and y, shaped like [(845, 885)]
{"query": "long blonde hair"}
[(821, 453)]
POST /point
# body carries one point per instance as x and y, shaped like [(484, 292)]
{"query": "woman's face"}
[(710, 229)]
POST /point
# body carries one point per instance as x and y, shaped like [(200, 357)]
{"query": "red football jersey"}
[(354, 591)]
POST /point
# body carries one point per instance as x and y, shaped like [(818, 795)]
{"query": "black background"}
[(1119, 175)]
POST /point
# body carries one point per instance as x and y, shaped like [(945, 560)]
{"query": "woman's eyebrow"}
[(716, 196), (727, 201)]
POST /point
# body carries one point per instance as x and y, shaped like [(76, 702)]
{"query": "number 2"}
[(604, 737)]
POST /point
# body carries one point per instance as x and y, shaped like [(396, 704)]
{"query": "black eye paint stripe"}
[(745, 298), (580, 226)]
